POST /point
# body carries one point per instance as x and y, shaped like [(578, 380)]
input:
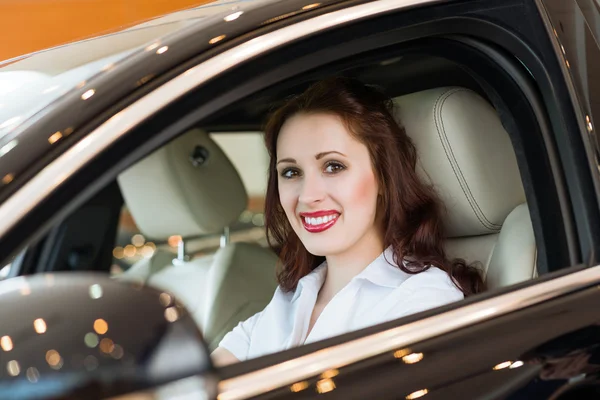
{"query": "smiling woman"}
[(358, 233)]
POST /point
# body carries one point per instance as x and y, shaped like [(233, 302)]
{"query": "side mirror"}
[(84, 335)]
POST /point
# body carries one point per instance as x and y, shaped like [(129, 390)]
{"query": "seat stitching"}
[(451, 159), (467, 187), (454, 164)]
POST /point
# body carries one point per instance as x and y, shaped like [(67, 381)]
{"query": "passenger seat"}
[(190, 188)]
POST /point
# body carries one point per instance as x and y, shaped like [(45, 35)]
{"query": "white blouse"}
[(380, 293)]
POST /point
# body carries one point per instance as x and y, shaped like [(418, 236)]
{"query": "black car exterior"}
[(507, 344)]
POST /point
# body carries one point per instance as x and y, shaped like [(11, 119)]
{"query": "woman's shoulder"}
[(423, 291), (432, 281)]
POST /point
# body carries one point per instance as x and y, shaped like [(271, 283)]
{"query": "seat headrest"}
[(466, 154), (188, 187)]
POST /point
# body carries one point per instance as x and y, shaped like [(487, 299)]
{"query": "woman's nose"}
[(312, 190)]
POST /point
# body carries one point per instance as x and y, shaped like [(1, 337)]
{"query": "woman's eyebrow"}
[(323, 154), (318, 157), (289, 160)]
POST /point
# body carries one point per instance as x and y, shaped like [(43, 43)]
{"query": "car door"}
[(472, 349)]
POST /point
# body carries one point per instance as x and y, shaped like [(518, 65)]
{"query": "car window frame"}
[(527, 295)]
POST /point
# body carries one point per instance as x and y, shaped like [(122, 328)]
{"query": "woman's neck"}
[(341, 268)]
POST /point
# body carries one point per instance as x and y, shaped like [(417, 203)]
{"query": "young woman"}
[(358, 234)]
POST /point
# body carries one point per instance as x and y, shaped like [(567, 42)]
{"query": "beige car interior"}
[(467, 155), (189, 187)]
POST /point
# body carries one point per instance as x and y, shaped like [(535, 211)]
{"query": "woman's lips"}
[(319, 221)]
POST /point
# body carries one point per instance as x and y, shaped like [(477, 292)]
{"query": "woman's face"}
[(327, 186)]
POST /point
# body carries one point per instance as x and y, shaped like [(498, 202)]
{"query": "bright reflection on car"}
[(165, 299), (503, 365), (6, 343), (309, 6), (8, 178), (88, 94), (217, 39), (417, 394), (13, 368), (171, 314), (401, 353), (100, 326), (325, 385), (40, 326), (330, 373), (516, 364), (299, 386), (55, 137), (412, 358), (95, 291), (233, 17)]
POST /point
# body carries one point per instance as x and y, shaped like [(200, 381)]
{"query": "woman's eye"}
[(289, 173), (334, 167)]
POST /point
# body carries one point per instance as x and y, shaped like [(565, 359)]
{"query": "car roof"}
[(33, 81), (146, 30), (37, 137), (129, 56)]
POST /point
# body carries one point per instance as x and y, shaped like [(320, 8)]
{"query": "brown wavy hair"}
[(412, 210)]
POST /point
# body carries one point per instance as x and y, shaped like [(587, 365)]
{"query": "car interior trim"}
[(56, 173), (391, 340), (590, 146)]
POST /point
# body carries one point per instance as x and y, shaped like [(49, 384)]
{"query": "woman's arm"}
[(222, 357)]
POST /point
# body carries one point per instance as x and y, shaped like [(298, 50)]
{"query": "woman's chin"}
[(322, 248)]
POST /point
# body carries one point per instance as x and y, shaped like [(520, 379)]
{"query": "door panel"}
[(497, 359)]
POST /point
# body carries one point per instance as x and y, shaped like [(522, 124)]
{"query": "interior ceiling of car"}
[(398, 75)]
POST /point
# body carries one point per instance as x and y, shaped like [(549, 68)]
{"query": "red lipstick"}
[(319, 221)]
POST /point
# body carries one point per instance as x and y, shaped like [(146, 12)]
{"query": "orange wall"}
[(31, 25)]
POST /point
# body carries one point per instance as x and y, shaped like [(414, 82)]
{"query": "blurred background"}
[(40, 24)]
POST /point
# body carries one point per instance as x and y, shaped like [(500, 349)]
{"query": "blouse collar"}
[(382, 271)]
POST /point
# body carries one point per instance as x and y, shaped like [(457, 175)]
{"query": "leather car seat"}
[(190, 188), (467, 155)]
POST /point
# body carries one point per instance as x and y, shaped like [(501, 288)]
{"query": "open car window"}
[(220, 266), (191, 221)]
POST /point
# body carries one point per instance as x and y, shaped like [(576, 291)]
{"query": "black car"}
[(132, 174)]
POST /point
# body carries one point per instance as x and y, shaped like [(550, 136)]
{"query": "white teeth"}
[(320, 220)]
